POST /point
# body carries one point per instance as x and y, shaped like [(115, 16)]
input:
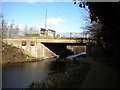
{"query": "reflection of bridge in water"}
[(44, 47)]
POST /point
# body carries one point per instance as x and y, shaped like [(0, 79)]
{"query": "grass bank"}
[(72, 76)]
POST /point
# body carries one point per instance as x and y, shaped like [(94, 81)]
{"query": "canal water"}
[(22, 74)]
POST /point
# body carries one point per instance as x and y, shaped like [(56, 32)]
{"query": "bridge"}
[(44, 47)]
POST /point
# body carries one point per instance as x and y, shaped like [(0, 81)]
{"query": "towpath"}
[(100, 75)]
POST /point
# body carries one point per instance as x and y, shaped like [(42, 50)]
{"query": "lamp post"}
[(45, 19), (70, 34)]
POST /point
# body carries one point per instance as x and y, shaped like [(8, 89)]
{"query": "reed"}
[(72, 77)]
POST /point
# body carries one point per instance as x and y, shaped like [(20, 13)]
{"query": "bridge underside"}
[(61, 48)]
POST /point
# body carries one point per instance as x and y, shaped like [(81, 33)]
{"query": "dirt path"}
[(100, 76)]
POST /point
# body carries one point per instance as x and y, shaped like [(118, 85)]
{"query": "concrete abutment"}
[(32, 48)]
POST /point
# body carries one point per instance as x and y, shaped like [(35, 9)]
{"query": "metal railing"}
[(72, 34), (57, 34)]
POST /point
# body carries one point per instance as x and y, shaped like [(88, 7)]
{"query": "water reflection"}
[(58, 66), (21, 75)]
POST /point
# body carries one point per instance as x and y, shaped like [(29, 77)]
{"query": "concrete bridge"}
[(44, 47)]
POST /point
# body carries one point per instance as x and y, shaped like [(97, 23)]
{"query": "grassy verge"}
[(72, 77)]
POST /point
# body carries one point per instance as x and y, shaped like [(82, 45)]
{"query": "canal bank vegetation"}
[(12, 54), (104, 29), (68, 74)]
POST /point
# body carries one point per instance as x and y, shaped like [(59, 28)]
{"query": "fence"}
[(72, 34), (57, 34)]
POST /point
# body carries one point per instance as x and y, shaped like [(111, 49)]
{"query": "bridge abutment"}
[(36, 49)]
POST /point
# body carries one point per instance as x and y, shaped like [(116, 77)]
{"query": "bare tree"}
[(25, 30), (4, 27), (16, 30)]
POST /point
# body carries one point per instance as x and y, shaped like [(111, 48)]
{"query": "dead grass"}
[(11, 53), (72, 77)]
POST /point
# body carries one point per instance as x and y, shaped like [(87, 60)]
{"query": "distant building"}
[(47, 32)]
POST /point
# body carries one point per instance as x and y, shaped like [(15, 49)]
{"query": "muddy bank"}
[(11, 53)]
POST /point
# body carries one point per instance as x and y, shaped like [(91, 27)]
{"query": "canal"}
[(22, 74)]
